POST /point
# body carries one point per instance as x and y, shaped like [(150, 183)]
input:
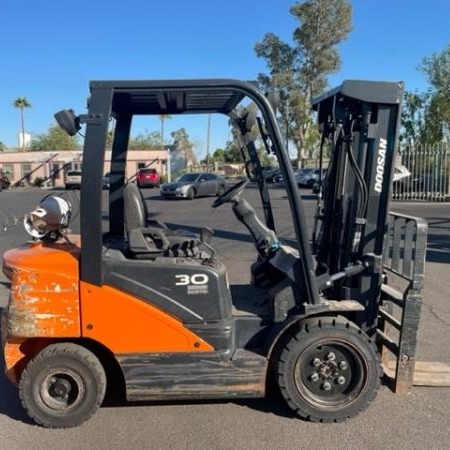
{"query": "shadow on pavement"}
[(438, 248)]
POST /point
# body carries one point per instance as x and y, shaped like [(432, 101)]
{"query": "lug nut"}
[(314, 377), (331, 356), (341, 380), (317, 362), (326, 386), (343, 365)]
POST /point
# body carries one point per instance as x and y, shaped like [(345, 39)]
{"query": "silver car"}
[(307, 177), (196, 184)]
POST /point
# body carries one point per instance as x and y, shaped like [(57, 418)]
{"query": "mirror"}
[(68, 121)]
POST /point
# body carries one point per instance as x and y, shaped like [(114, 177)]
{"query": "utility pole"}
[(208, 136)]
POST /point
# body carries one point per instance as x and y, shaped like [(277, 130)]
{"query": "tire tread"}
[(69, 350)]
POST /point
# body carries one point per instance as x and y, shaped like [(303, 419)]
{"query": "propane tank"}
[(49, 220)]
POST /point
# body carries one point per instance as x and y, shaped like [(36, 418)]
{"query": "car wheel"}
[(221, 190), (310, 183), (62, 386), (190, 194), (329, 370)]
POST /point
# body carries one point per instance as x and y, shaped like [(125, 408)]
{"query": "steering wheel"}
[(230, 193)]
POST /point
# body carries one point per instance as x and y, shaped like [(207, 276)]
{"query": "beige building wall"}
[(25, 167)]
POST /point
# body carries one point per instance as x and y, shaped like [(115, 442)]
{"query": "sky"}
[(50, 50)]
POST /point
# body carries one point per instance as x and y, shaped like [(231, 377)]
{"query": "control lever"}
[(265, 239)]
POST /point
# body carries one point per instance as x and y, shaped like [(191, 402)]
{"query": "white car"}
[(73, 179)]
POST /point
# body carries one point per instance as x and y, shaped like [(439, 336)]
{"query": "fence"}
[(429, 173), (429, 179)]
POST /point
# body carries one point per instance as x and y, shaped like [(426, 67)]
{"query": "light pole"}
[(208, 137), (169, 171)]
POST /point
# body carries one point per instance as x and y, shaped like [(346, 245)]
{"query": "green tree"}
[(55, 139), (437, 116), (232, 151), (2, 146), (218, 155), (146, 141), (300, 71), (412, 122), (22, 103)]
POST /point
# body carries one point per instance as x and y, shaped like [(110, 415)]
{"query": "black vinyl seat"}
[(150, 238)]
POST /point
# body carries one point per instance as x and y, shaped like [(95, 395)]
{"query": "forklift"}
[(148, 307)]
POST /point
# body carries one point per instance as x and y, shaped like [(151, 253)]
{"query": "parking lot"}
[(419, 420)]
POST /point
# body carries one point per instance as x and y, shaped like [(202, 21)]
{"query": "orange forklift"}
[(150, 308)]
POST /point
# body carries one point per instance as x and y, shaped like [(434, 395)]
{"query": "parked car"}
[(271, 174), (196, 184), (73, 179), (278, 178), (307, 177), (4, 181), (147, 177)]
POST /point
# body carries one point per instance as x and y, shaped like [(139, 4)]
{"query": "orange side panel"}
[(126, 324), (44, 300), (17, 352), (13, 356)]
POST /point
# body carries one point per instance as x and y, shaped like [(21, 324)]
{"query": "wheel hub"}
[(329, 370), (61, 390), (326, 373)]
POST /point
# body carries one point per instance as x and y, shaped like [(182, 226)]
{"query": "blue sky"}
[(51, 49)]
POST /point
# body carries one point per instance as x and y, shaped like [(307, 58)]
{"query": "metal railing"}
[(429, 179)]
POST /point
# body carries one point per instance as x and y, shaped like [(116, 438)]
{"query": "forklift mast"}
[(359, 123)]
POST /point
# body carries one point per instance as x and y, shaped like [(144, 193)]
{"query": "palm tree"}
[(22, 103)]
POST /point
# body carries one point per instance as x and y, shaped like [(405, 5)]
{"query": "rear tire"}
[(329, 370), (63, 386), (190, 194)]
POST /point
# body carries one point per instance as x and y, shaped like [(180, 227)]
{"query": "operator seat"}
[(150, 238)]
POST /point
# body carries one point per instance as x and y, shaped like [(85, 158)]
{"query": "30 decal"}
[(196, 279)]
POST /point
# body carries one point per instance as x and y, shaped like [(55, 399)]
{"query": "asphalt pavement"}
[(418, 420)]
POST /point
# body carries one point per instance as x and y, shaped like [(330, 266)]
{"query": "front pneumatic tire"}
[(190, 195), (329, 370), (63, 386)]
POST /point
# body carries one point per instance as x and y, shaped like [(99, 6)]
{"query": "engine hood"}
[(176, 184), (55, 257)]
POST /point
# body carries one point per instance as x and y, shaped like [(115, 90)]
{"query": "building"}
[(49, 167)]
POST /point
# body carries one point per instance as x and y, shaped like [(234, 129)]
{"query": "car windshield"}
[(72, 173), (147, 171), (188, 177)]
